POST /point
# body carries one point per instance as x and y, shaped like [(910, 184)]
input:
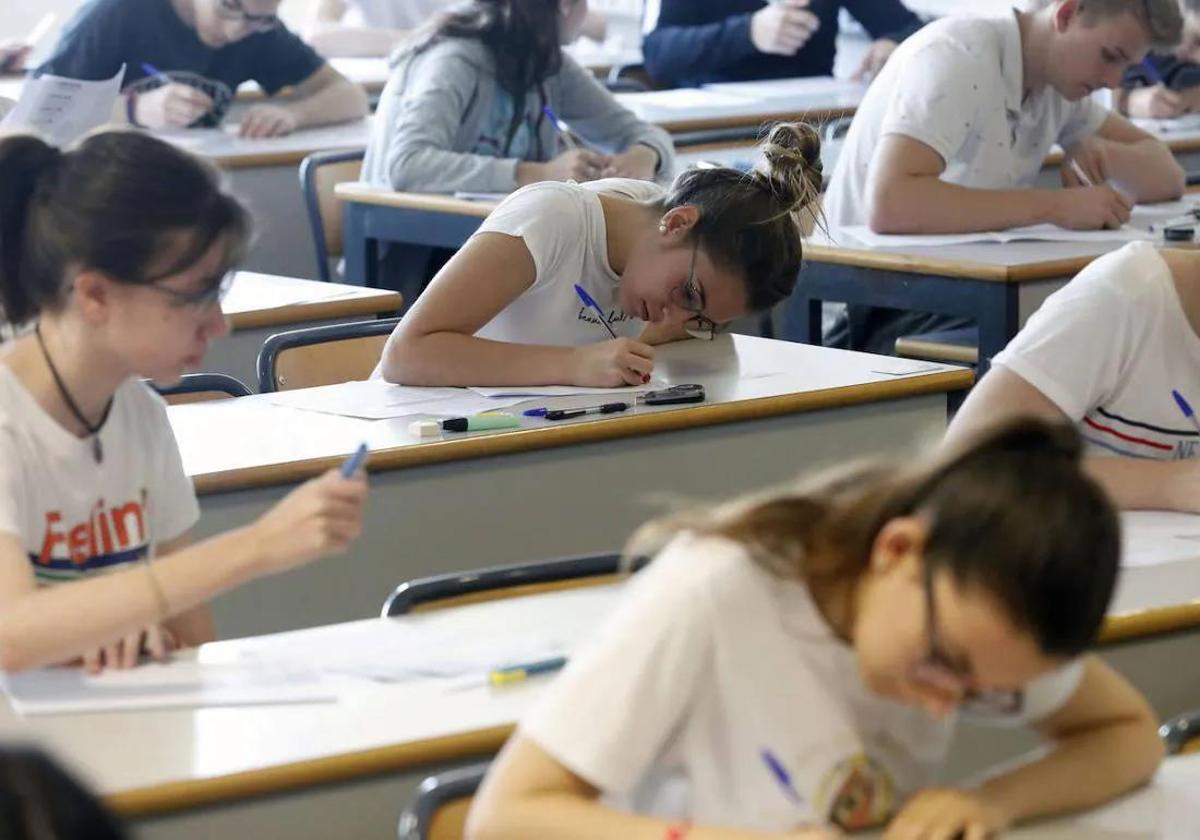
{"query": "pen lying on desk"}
[(568, 413)]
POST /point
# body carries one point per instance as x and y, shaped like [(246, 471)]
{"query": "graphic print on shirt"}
[(857, 793), (493, 138), (112, 535), (217, 91), (588, 316), (1136, 438)]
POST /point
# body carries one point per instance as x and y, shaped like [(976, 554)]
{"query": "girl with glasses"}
[(113, 258), (789, 665), (658, 265)]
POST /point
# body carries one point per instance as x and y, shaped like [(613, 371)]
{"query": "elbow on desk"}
[(886, 214), (13, 658), (403, 364)]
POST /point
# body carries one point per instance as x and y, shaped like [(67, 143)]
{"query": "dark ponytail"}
[(751, 223), (122, 202)]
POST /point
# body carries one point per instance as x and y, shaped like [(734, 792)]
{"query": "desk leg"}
[(360, 250), (998, 317), (801, 317)]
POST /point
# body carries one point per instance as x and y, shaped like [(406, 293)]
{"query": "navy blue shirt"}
[(698, 41), (104, 34), (1175, 73)]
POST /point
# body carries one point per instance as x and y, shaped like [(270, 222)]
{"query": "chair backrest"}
[(322, 355), (497, 582), (203, 387), (1182, 733), (440, 810), (319, 173)]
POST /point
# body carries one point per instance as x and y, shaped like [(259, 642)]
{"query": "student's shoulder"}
[(548, 198), (707, 568), (467, 52), (964, 40), (1129, 278), (633, 188), (141, 404)]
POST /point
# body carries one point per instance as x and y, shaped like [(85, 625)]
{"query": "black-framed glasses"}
[(205, 298), (236, 10), (936, 659), (690, 297)]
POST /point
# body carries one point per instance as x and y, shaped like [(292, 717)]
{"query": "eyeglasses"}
[(936, 659), (203, 299), (689, 297), (236, 10)]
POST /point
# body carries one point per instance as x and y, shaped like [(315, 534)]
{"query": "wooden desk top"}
[(225, 149), (267, 300), (235, 444), (697, 109), (362, 193)]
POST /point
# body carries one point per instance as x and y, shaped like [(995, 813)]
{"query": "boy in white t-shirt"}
[(1106, 352), (787, 665), (953, 132)]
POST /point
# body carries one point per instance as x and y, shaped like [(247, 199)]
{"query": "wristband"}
[(131, 107), (677, 831)]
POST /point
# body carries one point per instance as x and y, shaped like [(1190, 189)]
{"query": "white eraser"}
[(424, 428)]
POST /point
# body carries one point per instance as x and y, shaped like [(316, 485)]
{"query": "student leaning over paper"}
[(952, 134)]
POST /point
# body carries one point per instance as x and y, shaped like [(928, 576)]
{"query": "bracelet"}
[(160, 597), (131, 108), (678, 831)]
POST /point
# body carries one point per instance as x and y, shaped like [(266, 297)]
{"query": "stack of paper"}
[(375, 399), (63, 110), (850, 234)]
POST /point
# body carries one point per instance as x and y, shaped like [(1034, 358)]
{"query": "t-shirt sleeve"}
[(549, 218), (279, 59), (612, 711), (91, 46), (173, 506), (1062, 353), (936, 97), (1083, 119)]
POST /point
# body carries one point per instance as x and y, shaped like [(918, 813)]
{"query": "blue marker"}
[(150, 70), (352, 464), (590, 302), (1186, 408), (781, 775), (1152, 71)]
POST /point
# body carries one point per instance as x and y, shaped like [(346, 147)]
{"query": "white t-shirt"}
[(957, 87), (1108, 348), (73, 516), (708, 660), (393, 14), (562, 225)]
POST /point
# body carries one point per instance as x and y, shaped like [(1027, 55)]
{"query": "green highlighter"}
[(481, 423)]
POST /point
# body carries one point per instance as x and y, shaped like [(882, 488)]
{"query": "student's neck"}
[(186, 11), (1035, 30), (838, 605), (88, 375), (625, 222)]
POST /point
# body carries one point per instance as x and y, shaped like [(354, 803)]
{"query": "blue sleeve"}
[(280, 59), (91, 46), (884, 18), (1176, 73), (676, 51)]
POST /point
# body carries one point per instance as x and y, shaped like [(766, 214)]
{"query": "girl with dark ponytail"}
[(788, 665), (662, 265), (113, 260)]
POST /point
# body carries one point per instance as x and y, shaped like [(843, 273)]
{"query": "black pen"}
[(568, 413)]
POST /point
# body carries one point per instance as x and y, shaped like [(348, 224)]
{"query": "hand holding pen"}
[(171, 105), (622, 361), (579, 162)]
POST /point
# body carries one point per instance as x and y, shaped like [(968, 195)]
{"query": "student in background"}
[(693, 42), (41, 801), (116, 254), (464, 108), (13, 55), (788, 665), (184, 61), (659, 266), (1170, 85), (1115, 383), (952, 134)]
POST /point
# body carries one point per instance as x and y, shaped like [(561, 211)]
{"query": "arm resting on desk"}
[(328, 97), (1130, 157)]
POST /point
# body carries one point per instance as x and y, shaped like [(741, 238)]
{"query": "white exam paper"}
[(62, 110)]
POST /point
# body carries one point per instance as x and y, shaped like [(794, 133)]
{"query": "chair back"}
[(202, 387), (319, 173), (323, 355), (440, 810), (1181, 734)]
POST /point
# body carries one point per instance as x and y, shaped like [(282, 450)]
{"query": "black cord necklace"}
[(94, 431)]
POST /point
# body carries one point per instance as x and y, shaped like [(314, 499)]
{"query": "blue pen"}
[(352, 464), (1186, 408), (150, 70), (1152, 71), (590, 302), (564, 130), (781, 775)]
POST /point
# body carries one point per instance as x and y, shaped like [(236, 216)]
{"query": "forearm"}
[(924, 204), (1083, 771), (194, 627), (339, 101), (1139, 484), (1148, 168), (453, 359)]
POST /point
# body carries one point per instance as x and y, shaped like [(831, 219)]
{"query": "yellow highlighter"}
[(519, 673)]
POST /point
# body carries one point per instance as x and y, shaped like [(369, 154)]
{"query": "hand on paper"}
[(637, 161), (611, 364), (1090, 156), (1090, 208), (576, 165), (876, 56), (320, 517), (153, 640), (783, 27), (1157, 102), (173, 105), (944, 813), (268, 121)]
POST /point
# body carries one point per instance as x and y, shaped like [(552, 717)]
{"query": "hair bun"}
[(793, 171)]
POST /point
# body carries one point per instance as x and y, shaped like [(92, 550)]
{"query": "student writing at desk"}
[(117, 253), (1106, 352), (788, 665), (573, 283), (953, 133), (691, 42), (1166, 85), (184, 61)]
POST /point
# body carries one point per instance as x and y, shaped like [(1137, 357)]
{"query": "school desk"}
[(547, 489), (260, 305), (346, 768), (264, 174)]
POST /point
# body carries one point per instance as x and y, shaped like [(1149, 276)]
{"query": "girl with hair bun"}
[(662, 265), (113, 258), (788, 664)]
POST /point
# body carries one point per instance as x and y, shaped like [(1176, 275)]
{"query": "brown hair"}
[(1163, 19), (1012, 513), (751, 223)]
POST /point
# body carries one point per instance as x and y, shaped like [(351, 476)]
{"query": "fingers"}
[(110, 655), (91, 661), (128, 650), (154, 643)]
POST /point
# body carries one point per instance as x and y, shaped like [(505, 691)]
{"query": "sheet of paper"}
[(1176, 125), (559, 390), (182, 682), (802, 88), (1145, 215), (63, 110), (1153, 537), (374, 399), (1046, 233), (253, 292)]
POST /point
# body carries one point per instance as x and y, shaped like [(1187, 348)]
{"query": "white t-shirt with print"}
[(957, 86), (708, 660), (562, 225), (393, 14), (75, 517), (1108, 348)]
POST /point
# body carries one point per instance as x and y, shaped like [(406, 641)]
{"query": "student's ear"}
[(676, 224), (93, 295), (1064, 13), (899, 547)]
